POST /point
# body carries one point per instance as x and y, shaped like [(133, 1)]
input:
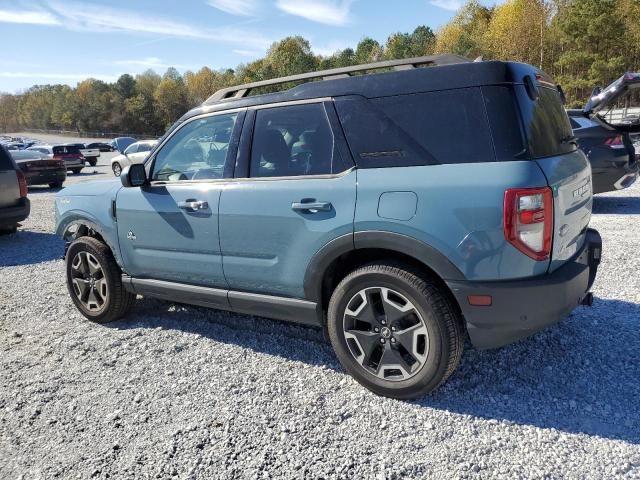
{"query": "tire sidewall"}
[(434, 369), (76, 247)]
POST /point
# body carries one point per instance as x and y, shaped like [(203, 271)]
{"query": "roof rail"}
[(240, 91)]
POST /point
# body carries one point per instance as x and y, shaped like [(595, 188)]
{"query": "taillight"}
[(615, 142), (22, 182), (528, 220)]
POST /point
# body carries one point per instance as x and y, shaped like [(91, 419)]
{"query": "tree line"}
[(581, 43)]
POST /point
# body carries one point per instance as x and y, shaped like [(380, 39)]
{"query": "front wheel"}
[(94, 281), (117, 169), (396, 332)]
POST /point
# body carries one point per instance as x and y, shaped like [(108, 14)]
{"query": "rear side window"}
[(5, 159), (418, 129), (66, 150), (506, 130), (546, 123)]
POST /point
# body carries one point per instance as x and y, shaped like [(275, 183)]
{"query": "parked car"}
[(40, 170), (91, 155), (103, 147), (135, 153), (14, 204), (120, 144), (396, 210), (71, 155), (608, 145), (46, 150)]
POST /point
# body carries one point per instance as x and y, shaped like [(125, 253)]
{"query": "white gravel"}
[(189, 392)]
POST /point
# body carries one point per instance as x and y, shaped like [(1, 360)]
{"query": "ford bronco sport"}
[(398, 210)]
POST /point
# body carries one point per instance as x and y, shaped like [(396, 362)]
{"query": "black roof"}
[(445, 77)]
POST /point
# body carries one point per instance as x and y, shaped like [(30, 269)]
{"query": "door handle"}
[(311, 207), (193, 205)]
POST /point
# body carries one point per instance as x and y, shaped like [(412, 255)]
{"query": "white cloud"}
[(447, 4), (247, 8), (246, 53), (330, 48), (153, 62), (93, 18), (329, 12), (31, 17)]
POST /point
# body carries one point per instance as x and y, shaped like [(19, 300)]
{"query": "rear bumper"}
[(13, 215), (46, 177), (614, 178), (522, 307)]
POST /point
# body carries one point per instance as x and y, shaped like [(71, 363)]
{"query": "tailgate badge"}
[(582, 191)]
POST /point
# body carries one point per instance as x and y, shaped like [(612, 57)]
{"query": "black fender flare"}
[(397, 242), (81, 221)]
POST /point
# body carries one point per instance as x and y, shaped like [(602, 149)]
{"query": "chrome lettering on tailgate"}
[(582, 191)]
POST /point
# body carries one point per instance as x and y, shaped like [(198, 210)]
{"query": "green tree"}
[(171, 97)]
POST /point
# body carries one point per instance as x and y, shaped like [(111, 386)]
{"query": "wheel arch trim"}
[(397, 242)]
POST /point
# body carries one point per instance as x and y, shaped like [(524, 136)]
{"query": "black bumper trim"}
[(522, 307), (13, 215)]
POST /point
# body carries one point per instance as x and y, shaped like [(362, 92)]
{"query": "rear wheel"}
[(117, 169), (94, 281), (76, 171), (396, 332), (55, 185), (93, 161)]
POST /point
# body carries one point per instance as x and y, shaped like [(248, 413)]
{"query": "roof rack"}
[(240, 91)]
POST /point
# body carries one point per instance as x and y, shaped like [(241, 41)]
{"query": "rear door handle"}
[(193, 205), (311, 207)]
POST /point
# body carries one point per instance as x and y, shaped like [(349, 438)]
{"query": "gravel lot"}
[(189, 392)]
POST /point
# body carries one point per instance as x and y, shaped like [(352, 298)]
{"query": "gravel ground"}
[(189, 392)]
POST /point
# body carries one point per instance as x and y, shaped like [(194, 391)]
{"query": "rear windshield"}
[(546, 124), (66, 150), (5, 160)]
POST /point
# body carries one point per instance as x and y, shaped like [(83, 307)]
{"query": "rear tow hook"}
[(587, 301)]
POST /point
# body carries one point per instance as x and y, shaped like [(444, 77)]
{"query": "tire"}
[(8, 229), (93, 162), (76, 171), (107, 300), (117, 169), (56, 185), (401, 308)]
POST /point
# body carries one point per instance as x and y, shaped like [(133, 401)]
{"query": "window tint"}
[(417, 129), (144, 147), (292, 141), (197, 151), (574, 124), (546, 123), (506, 130), (5, 160)]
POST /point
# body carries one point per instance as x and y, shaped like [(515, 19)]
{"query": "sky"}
[(55, 41)]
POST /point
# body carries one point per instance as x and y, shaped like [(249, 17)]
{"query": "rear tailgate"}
[(90, 152), (569, 176)]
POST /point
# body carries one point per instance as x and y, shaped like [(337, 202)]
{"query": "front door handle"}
[(311, 206), (193, 205)]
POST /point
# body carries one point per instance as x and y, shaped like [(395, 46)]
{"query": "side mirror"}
[(133, 175)]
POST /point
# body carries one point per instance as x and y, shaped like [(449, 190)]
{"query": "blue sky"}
[(55, 41)]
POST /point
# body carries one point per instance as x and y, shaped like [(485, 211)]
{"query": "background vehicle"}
[(103, 147), (606, 138), (40, 170), (14, 204), (46, 150), (71, 155), (353, 201), (91, 155), (135, 153), (121, 143)]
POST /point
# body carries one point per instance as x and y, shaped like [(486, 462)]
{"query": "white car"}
[(135, 153), (46, 150)]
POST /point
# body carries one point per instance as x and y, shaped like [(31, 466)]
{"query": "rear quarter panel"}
[(459, 212)]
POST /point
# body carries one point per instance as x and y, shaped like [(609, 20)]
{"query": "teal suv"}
[(400, 211)]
